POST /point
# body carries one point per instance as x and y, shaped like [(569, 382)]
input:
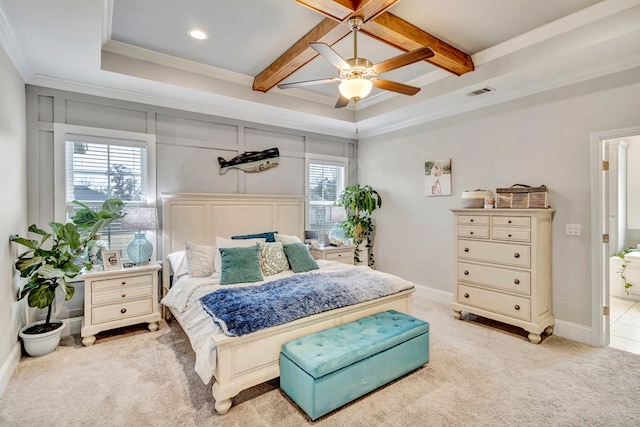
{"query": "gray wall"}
[(541, 139), (187, 148), (13, 215)]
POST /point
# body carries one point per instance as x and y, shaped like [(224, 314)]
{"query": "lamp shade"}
[(355, 88), (139, 218), (139, 250)]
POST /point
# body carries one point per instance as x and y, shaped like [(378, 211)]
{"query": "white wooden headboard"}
[(200, 218)]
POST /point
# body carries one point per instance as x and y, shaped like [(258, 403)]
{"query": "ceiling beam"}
[(402, 35), (379, 24)]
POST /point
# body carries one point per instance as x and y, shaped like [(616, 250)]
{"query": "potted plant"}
[(359, 203), (50, 262)]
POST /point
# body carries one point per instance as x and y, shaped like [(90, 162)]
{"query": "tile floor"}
[(625, 324)]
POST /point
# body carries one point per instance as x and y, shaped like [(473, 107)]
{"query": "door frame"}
[(599, 226)]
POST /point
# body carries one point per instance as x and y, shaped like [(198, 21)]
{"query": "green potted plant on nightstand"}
[(359, 203), (50, 262)]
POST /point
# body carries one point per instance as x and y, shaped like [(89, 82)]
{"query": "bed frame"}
[(249, 360)]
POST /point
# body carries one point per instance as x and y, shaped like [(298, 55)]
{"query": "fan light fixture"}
[(198, 34), (356, 88)]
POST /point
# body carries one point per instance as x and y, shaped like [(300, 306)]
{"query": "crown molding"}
[(10, 43)]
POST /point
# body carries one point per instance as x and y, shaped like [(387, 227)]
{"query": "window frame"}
[(321, 159)]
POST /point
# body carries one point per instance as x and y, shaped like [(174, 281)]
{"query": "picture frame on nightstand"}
[(111, 260)]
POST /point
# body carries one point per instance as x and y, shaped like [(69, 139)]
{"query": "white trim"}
[(74, 325), (10, 43), (573, 331), (107, 20), (9, 366), (435, 295), (597, 254)]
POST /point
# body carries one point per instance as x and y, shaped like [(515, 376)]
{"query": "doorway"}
[(616, 214)]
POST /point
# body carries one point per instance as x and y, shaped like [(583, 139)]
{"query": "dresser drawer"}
[(502, 278), (473, 232), (510, 221), (503, 253), (511, 234), (473, 219), (142, 279), (508, 305), (123, 293), (343, 257), (124, 310)]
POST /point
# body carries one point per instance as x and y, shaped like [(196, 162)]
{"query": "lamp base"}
[(139, 250)]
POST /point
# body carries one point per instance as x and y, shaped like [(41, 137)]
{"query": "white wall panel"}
[(105, 116)]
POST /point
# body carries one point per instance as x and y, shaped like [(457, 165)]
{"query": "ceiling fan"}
[(357, 76)]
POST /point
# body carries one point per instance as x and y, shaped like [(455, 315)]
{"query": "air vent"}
[(481, 91)]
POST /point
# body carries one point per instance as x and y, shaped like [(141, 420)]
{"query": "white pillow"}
[(221, 242), (178, 262), (287, 239)]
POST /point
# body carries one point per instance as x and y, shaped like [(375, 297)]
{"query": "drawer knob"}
[(471, 232), (124, 283), (509, 222), (123, 310), (124, 295), (509, 235), (466, 272), (471, 220), (517, 282), (517, 307), (516, 255), (466, 249), (466, 295)]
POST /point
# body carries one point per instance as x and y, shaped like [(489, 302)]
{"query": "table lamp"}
[(139, 219)]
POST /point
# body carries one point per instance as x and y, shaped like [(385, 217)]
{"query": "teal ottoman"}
[(325, 370)]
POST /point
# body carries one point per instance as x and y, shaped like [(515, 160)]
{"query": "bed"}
[(235, 363)]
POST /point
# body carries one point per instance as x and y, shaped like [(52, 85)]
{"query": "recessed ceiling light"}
[(198, 34)]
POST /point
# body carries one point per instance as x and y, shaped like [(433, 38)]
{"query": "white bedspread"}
[(184, 300)]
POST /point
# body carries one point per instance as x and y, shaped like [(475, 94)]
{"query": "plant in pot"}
[(49, 264), (359, 203)]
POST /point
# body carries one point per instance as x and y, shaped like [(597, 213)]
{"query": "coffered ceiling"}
[(140, 50)]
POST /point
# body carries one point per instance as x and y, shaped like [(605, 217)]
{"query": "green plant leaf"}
[(42, 296)]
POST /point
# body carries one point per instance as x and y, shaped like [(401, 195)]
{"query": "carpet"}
[(480, 373)]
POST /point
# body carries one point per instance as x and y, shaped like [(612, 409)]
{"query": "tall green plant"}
[(359, 203), (54, 259)]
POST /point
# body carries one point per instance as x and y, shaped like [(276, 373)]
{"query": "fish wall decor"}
[(251, 161)]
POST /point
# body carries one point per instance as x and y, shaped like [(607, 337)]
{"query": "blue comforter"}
[(243, 310)]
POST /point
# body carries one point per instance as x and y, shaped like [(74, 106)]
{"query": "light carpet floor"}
[(480, 374)]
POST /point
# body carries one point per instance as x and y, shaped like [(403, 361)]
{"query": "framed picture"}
[(111, 260), (437, 174)]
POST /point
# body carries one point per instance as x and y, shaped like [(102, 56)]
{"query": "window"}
[(326, 178), (101, 168)]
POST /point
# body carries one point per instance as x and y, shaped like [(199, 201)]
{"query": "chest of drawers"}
[(343, 254), (117, 298), (503, 267)]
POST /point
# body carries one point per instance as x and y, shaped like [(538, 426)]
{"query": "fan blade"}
[(402, 60), (342, 102), (308, 83), (330, 55), (395, 86)]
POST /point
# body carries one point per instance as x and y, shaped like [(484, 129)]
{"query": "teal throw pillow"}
[(299, 258), (240, 265)]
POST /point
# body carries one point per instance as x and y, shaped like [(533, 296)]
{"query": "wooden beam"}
[(398, 33), (328, 31)]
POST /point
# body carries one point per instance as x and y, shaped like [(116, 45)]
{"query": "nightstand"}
[(343, 254), (116, 298)]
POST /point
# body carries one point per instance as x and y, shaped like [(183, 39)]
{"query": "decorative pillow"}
[(221, 242), (200, 259), (266, 235), (287, 239), (273, 258), (240, 265), (178, 262), (300, 258)]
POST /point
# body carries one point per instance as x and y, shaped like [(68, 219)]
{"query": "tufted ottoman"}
[(327, 369)]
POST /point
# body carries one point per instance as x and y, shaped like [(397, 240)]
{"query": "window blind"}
[(326, 182)]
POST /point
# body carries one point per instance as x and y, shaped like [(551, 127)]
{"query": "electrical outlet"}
[(572, 230)]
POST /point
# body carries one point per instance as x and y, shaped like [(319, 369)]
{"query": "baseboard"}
[(9, 366), (74, 325), (562, 328)]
